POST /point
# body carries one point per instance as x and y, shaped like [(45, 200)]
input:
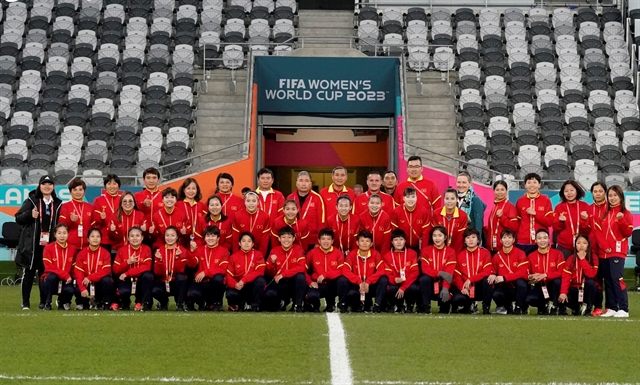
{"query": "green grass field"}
[(168, 347)]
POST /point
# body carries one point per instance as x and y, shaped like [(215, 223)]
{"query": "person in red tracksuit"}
[(503, 216), (545, 275), (345, 226), (364, 269), (579, 278), (105, 207), (245, 276), (127, 217), (325, 263), (414, 220), (511, 271), (471, 278), (597, 210), (428, 194), (133, 269), (374, 182), (311, 206), (378, 223), (286, 267), (149, 200), (169, 270), (271, 200), (92, 273), (231, 203), (77, 214), (58, 261), (253, 220), (207, 288), (438, 264), (613, 232), (453, 219), (215, 217), (534, 213), (335, 190), (290, 219), (169, 215), (401, 268), (571, 217), (189, 200)]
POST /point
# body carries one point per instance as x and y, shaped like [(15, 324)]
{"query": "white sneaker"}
[(609, 313), (500, 310), (621, 314)]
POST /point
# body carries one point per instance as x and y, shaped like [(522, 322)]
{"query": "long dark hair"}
[(185, 184), (589, 256), (120, 211), (620, 193)]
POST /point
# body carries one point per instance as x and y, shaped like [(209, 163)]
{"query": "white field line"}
[(339, 356)]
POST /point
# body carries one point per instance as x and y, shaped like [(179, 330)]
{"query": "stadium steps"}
[(324, 29)]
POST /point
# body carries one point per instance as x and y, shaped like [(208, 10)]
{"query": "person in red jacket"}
[(511, 271), (169, 270), (189, 200), (127, 217), (453, 219), (105, 207), (325, 263), (133, 269), (169, 215), (545, 275), (414, 220), (77, 214), (311, 206), (401, 268), (613, 232), (286, 267), (471, 278), (571, 217), (58, 261), (364, 269), (336, 190), (534, 213), (271, 200), (231, 203), (579, 278), (215, 217), (253, 220), (290, 219), (597, 210), (374, 183), (438, 264), (245, 276), (503, 216), (149, 200), (207, 288), (345, 226), (378, 223), (92, 273), (428, 194)]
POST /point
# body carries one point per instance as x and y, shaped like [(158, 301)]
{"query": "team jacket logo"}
[(329, 198), (259, 227), (419, 221), (312, 205), (317, 262), (234, 208), (540, 208), (238, 265), (372, 264), (334, 263)]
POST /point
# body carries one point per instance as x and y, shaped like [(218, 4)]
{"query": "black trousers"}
[(177, 289), (50, 285), (328, 290), (29, 274), (350, 294), (483, 291), (615, 288), (144, 284), (527, 248), (410, 295), (211, 291), (506, 292), (252, 293), (589, 295), (104, 289), (535, 296), (291, 289)]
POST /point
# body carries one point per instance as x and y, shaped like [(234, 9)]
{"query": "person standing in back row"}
[(428, 195), (149, 200), (311, 206), (271, 200), (534, 213), (361, 204), (335, 190)]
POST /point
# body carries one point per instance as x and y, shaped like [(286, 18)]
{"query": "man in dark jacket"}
[(37, 218)]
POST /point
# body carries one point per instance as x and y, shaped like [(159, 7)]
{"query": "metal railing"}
[(202, 162)]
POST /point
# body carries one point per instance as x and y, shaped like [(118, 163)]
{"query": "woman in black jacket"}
[(37, 218)]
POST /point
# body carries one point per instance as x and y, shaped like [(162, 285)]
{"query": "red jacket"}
[(361, 205), (472, 265), (256, 223), (231, 204), (512, 265), (225, 226), (194, 211), (91, 264), (428, 194), (58, 260), (77, 229), (434, 260), (367, 269), (395, 261), (162, 220), (455, 224), (573, 225), (107, 204), (326, 263), (550, 263), (575, 271), (299, 226), (495, 225), (273, 204), (330, 198), (120, 237), (312, 211), (380, 227), (415, 223), (344, 231), (212, 260), (613, 233), (596, 213), (156, 203), (530, 224), (143, 264), (245, 267), (288, 262), (173, 262)]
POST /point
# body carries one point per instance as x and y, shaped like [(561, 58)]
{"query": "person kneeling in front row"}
[(286, 267), (245, 276), (579, 278), (325, 263), (511, 271), (545, 265)]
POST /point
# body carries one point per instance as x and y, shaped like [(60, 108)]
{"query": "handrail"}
[(405, 110), (248, 98), (197, 159)]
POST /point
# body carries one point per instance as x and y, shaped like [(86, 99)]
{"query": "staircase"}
[(325, 29), (432, 121)]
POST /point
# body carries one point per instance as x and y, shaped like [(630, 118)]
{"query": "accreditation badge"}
[(44, 238), (545, 292)]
